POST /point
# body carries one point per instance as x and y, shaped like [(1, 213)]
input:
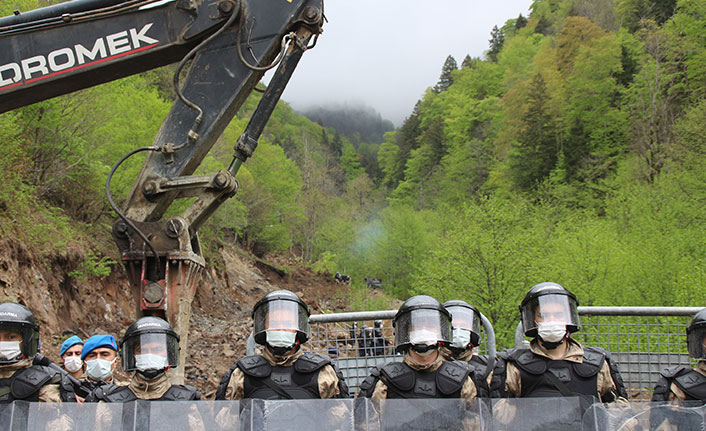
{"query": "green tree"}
[(446, 78), (497, 40)]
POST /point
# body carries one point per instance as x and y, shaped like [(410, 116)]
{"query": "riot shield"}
[(535, 414), (196, 416), (331, 414), (421, 414), (644, 416), (13, 416), (74, 417)]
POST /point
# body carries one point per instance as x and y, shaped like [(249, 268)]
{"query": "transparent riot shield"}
[(74, 417), (644, 416), (545, 414), (298, 415), (13, 416), (195, 416), (421, 414)]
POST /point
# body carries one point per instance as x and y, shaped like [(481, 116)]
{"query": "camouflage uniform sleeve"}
[(328, 383), (50, 393), (468, 390), (380, 391), (610, 383), (513, 382), (236, 386)]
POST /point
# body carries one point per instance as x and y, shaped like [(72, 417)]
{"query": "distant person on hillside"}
[(379, 341), (19, 343), (283, 371)]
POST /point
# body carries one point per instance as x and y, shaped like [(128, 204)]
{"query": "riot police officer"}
[(555, 365), (465, 326), (682, 383), (422, 326), (19, 343), (283, 371), (148, 349)]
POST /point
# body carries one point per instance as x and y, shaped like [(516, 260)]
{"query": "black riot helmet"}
[(281, 311), (549, 301), (150, 346), (695, 335), (421, 323), (464, 317), (17, 319)]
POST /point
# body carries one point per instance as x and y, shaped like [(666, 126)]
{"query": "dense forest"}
[(572, 151)]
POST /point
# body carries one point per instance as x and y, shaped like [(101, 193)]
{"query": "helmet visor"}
[(150, 351), (464, 318), (695, 341), (422, 326), (27, 335), (550, 308), (281, 315)]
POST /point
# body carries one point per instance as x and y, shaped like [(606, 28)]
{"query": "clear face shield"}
[(465, 324), (422, 327), (275, 319), (17, 342), (151, 351), (551, 309), (696, 340)]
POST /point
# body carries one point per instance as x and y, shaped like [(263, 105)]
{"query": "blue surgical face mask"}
[(461, 338), (281, 338), (99, 369), (150, 361)]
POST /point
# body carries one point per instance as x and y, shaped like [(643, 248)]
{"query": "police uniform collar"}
[(423, 367), (574, 350), (149, 389), (9, 369), (282, 361)]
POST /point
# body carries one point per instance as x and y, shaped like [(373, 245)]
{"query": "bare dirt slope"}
[(220, 321)]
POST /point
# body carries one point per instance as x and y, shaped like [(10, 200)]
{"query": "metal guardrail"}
[(642, 341)]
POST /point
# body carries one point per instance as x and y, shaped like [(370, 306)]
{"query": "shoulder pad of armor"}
[(672, 372), (182, 393), (399, 375), (593, 359), (309, 362), (526, 360), (255, 365), (507, 353), (368, 384), (451, 376), (114, 393), (690, 380), (28, 381)]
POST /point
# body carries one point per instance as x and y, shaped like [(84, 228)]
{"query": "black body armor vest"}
[(690, 381), (263, 381), (25, 383), (567, 378), (404, 381), (111, 393)]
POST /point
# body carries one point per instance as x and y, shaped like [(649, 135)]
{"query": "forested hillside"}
[(572, 151)]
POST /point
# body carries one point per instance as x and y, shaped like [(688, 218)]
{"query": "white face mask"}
[(280, 338), (423, 336), (461, 338), (73, 363), (99, 369), (150, 361), (552, 332), (10, 349)]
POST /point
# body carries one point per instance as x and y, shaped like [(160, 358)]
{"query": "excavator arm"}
[(228, 46)]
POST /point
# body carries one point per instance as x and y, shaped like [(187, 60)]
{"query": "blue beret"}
[(97, 341), (69, 343)]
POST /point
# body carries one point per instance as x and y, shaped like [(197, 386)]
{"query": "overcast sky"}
[(385, 53)]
